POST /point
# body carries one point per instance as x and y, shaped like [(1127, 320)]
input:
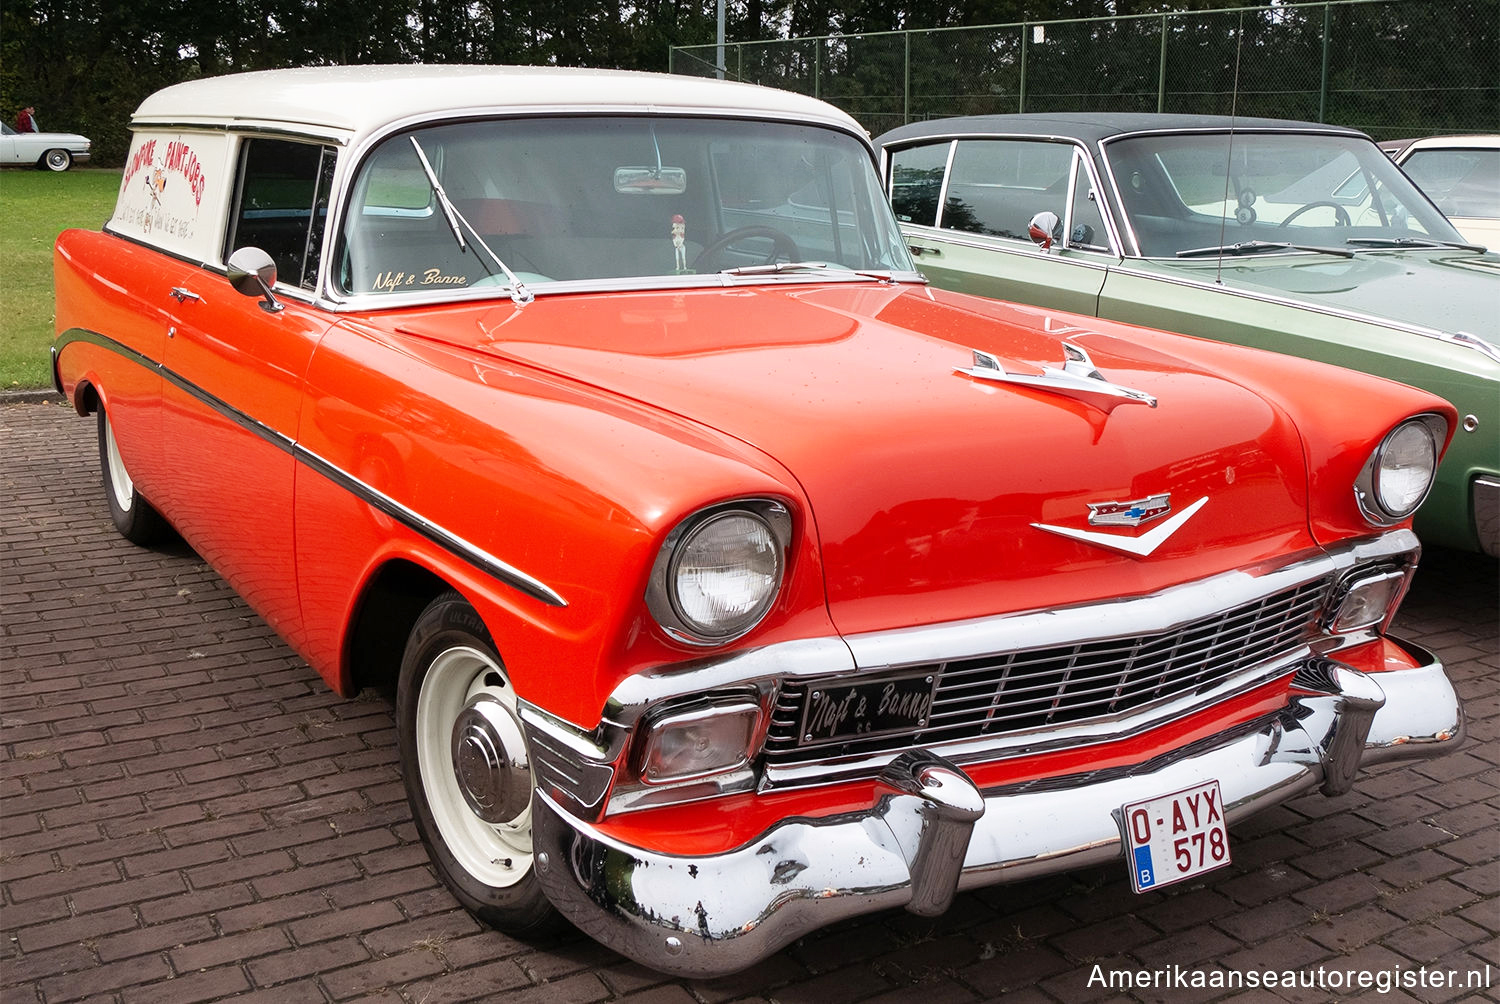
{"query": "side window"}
[(1086, 225), (997, 186), (917, 182), (1461, 182), (282, 205)]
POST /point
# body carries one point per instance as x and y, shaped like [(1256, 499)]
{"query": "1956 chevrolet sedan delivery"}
[(732, 580)]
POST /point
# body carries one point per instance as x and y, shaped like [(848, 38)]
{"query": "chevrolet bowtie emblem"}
[(1129, 513), (1141, 546)]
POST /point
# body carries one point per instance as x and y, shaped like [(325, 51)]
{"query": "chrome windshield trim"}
[(352, 160), (623, 284)]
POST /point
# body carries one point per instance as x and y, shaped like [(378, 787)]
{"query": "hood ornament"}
[(1078, 379), (1141, 546)]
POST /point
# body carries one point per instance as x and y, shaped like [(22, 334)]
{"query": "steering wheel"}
[(1340, 214), (782, 246)]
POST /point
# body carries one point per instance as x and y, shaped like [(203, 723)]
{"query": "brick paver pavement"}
[(186, 813)]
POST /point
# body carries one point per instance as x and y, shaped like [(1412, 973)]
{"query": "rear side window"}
[(997, 186), (281, 206), (917, 182)]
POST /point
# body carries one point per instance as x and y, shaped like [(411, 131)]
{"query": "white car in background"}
[(55, 151), (1459, 173)]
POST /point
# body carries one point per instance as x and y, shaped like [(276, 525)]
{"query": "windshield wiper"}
[(1414, 242), (780, 267), (518, 291), (775, 268), (1252, 247)]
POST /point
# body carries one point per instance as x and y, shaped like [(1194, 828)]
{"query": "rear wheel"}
[(466, 769), (133, 516), (57, 160)]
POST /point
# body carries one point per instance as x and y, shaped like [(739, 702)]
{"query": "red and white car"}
[(732, 580)]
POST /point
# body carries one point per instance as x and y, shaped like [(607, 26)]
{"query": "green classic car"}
[(1290, 236)]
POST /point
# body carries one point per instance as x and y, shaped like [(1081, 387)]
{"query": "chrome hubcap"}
[(489, 761)]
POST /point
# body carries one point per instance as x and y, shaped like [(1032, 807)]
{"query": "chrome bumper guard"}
[(935, 833)]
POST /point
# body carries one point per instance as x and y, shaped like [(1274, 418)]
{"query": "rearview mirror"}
[(650, 180)]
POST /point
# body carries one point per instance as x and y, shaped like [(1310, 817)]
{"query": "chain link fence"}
[(1393, 68)]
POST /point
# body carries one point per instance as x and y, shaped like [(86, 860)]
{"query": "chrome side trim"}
[(933, 833), (1009, 245), (447, 540)]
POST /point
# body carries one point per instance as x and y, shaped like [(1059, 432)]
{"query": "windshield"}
[(1189, 191), (601, 198)]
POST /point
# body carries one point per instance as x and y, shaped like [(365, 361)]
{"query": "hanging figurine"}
[(679, 243)]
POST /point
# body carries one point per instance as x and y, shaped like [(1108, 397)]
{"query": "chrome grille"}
[(1092, 679)]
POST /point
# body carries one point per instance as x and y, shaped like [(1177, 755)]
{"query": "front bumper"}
[(935, 833)]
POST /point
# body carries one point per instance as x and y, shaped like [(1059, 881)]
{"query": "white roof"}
[(354, 100)]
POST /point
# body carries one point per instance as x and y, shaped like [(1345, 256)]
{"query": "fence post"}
[(1323, 82), (1161, 70), (1021, 105), (817, 67), (906, 78)]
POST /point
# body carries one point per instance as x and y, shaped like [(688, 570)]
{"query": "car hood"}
[(68, 139), (1398, 285), (924, 483)]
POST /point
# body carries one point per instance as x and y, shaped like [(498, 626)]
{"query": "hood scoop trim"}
[(1078, 379)]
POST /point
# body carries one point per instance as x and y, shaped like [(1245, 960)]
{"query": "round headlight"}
[(718, 573), (1404, 467), (724, 574)]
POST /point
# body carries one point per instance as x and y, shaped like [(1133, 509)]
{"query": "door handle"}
[(183, 295), (920, 249)]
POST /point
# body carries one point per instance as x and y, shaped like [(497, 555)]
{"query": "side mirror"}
[(1044, 228), (253, 272)]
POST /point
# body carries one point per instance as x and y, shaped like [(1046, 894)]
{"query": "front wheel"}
[(57, 160), (135, 518), (466, 768)]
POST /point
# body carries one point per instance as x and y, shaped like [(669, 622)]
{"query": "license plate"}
[(869, 707), (1174, 837)]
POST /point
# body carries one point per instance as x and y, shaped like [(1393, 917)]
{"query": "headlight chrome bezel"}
[(1367, 487), (663, 597)]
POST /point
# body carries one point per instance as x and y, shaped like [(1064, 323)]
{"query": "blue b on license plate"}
[(1173, 837)]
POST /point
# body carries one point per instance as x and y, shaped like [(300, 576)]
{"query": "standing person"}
[(26, 121)]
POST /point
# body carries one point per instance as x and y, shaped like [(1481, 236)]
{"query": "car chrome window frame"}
[(1119, 205), (1081, 154), (355, 156)]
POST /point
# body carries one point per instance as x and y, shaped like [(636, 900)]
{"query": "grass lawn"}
[(36, 206)]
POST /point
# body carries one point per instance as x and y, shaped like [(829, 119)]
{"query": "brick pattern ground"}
[(188, 814)]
